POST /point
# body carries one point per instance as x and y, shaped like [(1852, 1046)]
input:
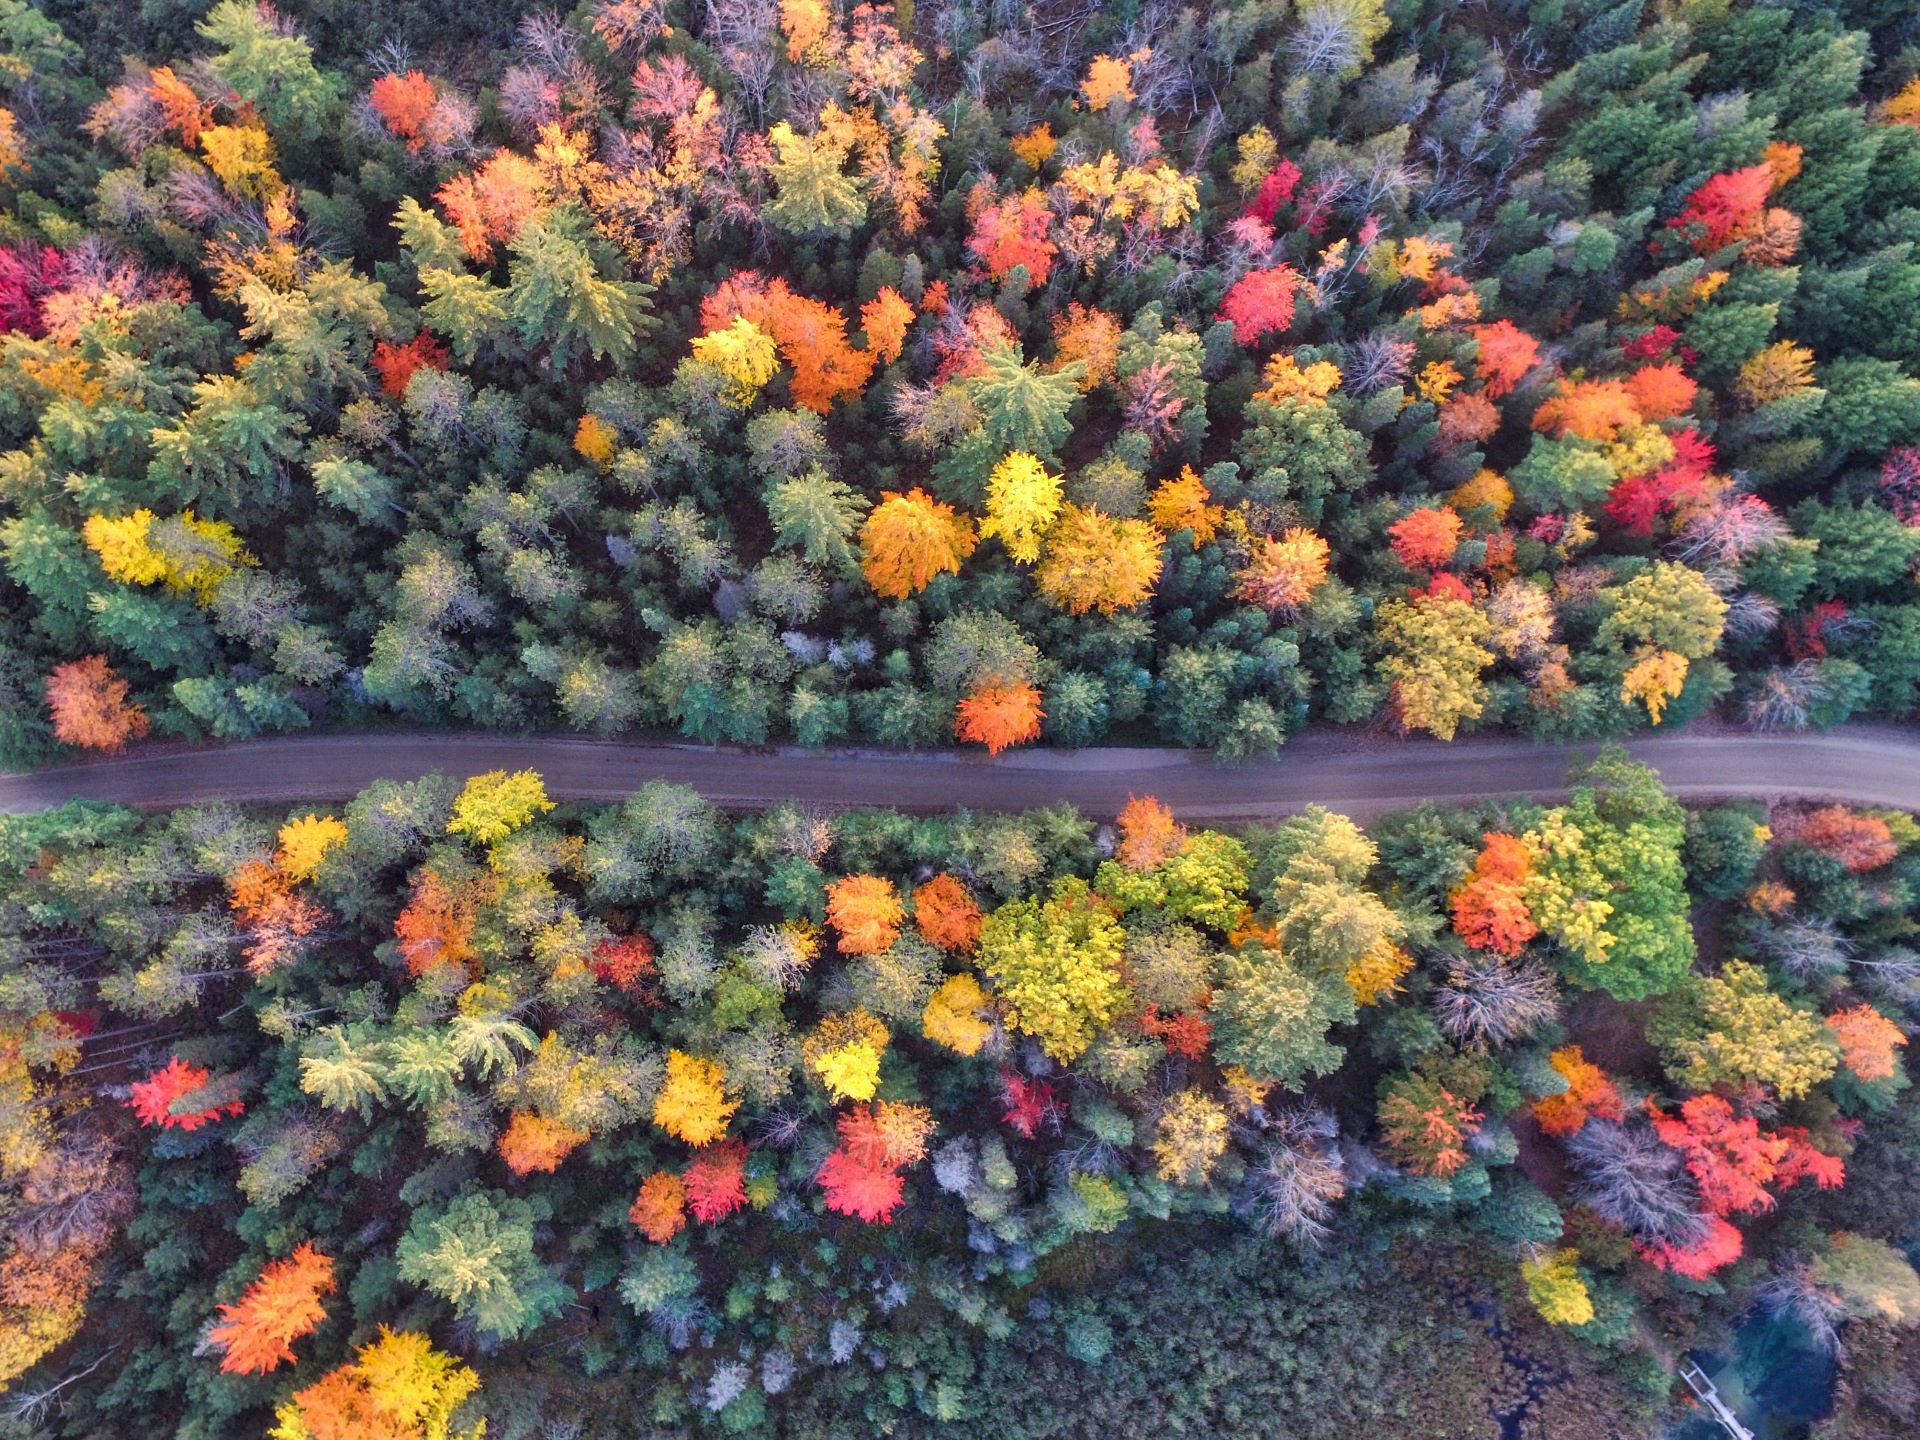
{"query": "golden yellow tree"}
[(693, 1105), (304, 843), (909, 539), (1097, 562), (1022, 501)]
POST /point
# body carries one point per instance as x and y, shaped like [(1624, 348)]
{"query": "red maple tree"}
[(867, 1192), (154, 1098), (1261, 303), (1427, 538), (716, 1181)]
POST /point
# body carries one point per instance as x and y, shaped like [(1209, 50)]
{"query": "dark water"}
[(1777, 1381)]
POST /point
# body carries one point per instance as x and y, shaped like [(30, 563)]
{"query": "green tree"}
[(817, 515), (1056, 964), (557, 297), (814, 196), (477, 1253), (1271, 1016), (1023, 407)]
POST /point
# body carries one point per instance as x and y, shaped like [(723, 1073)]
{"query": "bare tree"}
[(1488, 1000), (1627, 1176), (1291, 1186)]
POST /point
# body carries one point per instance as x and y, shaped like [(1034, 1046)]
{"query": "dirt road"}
[(1857, 764)]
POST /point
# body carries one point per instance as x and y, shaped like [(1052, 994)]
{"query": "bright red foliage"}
[(1029, 1104), (153, 1099), (1720, 1246), (1013, 231), (1726, 208), (866, 1192), (716, 1181), (1186, 1034), (1260, 303), (627, 962), (1732, 1159), (1427, 538), (1659, 343), (396, 363), (1276, 190), (27, 277)]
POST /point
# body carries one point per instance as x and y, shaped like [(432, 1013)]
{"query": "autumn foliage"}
[(1859, 842), (998, 715), (1427, 538), (660, 1209), (1261, 304), (946, 914), (865, 912), (396, 364), (1282, 574), (405, 104), (1589, 1093), (256, 1334), (536, 1143), (90, 706), (1426, 1126), (693, 1104), (1868, 1040), (1506, 354), (437, 926), (716, 1181), (1149, 835), (812, 337), (157, 1099), (910, 538), (1490, 910)]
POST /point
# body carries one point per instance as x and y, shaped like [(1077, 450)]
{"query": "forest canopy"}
[(377, 1112), (841, 373)]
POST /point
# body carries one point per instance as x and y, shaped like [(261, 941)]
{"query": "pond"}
[(1777, 1380)]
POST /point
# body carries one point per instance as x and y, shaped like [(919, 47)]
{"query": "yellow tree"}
[(1191, 1137), (397, 1388), (742, 352), (1022, 501), (304, 843), (494, 805), (953, 1015), (1435, 651), (693, 1105), (844, 1051), (1097, 562), (1185, 503), (1056, 965)]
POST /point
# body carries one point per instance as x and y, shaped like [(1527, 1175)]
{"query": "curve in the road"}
[(1860, 765)]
